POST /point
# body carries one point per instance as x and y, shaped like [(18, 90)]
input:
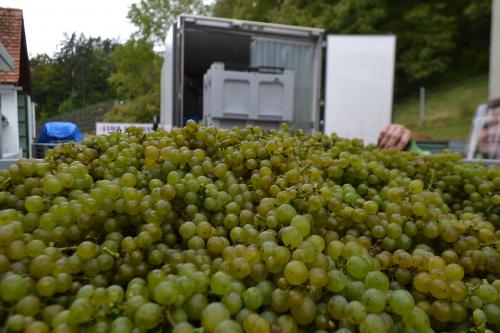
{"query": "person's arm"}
[(395, 136)]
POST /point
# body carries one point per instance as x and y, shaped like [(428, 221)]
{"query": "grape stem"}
[(305, 168), (433, 174), (110, 252), (5, 182), (259, 217), (168, 316), (68, 248)]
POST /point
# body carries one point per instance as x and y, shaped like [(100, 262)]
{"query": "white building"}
[(16, 107)]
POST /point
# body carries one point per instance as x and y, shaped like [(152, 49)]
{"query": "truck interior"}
[(202, 48), (244, 50)]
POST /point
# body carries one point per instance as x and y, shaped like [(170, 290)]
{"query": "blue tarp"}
[(56, 132)]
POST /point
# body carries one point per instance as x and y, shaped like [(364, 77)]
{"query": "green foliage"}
[(50, 90), (140, 109), (74, 77), (137, 69), (306, 14), (154, 17), (357, 16), (87, 70), (246, 10), (344, 16), (433, 37), (449, 109), (136, 81), (426, 38), (338, 16), (474, 36)]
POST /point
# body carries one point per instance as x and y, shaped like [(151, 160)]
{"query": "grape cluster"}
[(200, 229)]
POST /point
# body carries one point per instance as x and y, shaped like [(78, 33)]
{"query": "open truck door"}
[(359, 85), (168, 80)]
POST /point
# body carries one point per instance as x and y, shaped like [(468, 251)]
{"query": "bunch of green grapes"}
[(247, 230)]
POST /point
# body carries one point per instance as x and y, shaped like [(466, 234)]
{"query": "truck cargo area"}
[(203, 47), (254, 49)]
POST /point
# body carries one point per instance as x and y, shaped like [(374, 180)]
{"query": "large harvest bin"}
[(261, 96)]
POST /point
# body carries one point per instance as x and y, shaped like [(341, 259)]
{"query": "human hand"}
[(394, 136)]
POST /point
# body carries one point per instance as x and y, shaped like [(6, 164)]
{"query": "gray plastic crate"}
[(236, 98), (38, 149)]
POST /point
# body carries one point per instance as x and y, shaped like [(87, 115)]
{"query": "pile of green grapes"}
[(200, 229)]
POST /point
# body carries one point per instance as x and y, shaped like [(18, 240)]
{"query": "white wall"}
[(10, 133), (359, 85)]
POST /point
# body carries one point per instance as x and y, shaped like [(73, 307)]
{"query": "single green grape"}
[(254, 323), (228, 326), (80, 311), (148, 316), (377, 280), (401, 302), (357, 267), (374, 300), (86, 250), (296, 272), (253, 298), (183, 328), (213, 314), (291, 236), (301, 223), (233, 302), (13, 287), (285, 213)]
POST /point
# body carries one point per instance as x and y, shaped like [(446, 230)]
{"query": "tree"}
[(341, 16), (426, 39), (473, 35), (48, 84), (154, 17), (252, 10), (75, 77), (87, 66), (434, 37), (337, 16), (136, 80)]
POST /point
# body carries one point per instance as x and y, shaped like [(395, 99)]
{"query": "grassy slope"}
[(449, 109)]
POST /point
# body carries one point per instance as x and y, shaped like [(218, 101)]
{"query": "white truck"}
[(231, 72)]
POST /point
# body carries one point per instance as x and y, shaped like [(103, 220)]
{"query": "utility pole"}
[(421, 116), (494, 81)]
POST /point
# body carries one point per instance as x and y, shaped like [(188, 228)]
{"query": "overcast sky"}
[(45, 21)]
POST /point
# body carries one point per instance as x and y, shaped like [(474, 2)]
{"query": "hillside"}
[(449, 109)]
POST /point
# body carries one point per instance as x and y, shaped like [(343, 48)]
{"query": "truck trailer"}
[(230, 72)]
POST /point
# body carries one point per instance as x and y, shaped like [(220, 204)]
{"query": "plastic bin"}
[(38, 149), (237, 98)]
